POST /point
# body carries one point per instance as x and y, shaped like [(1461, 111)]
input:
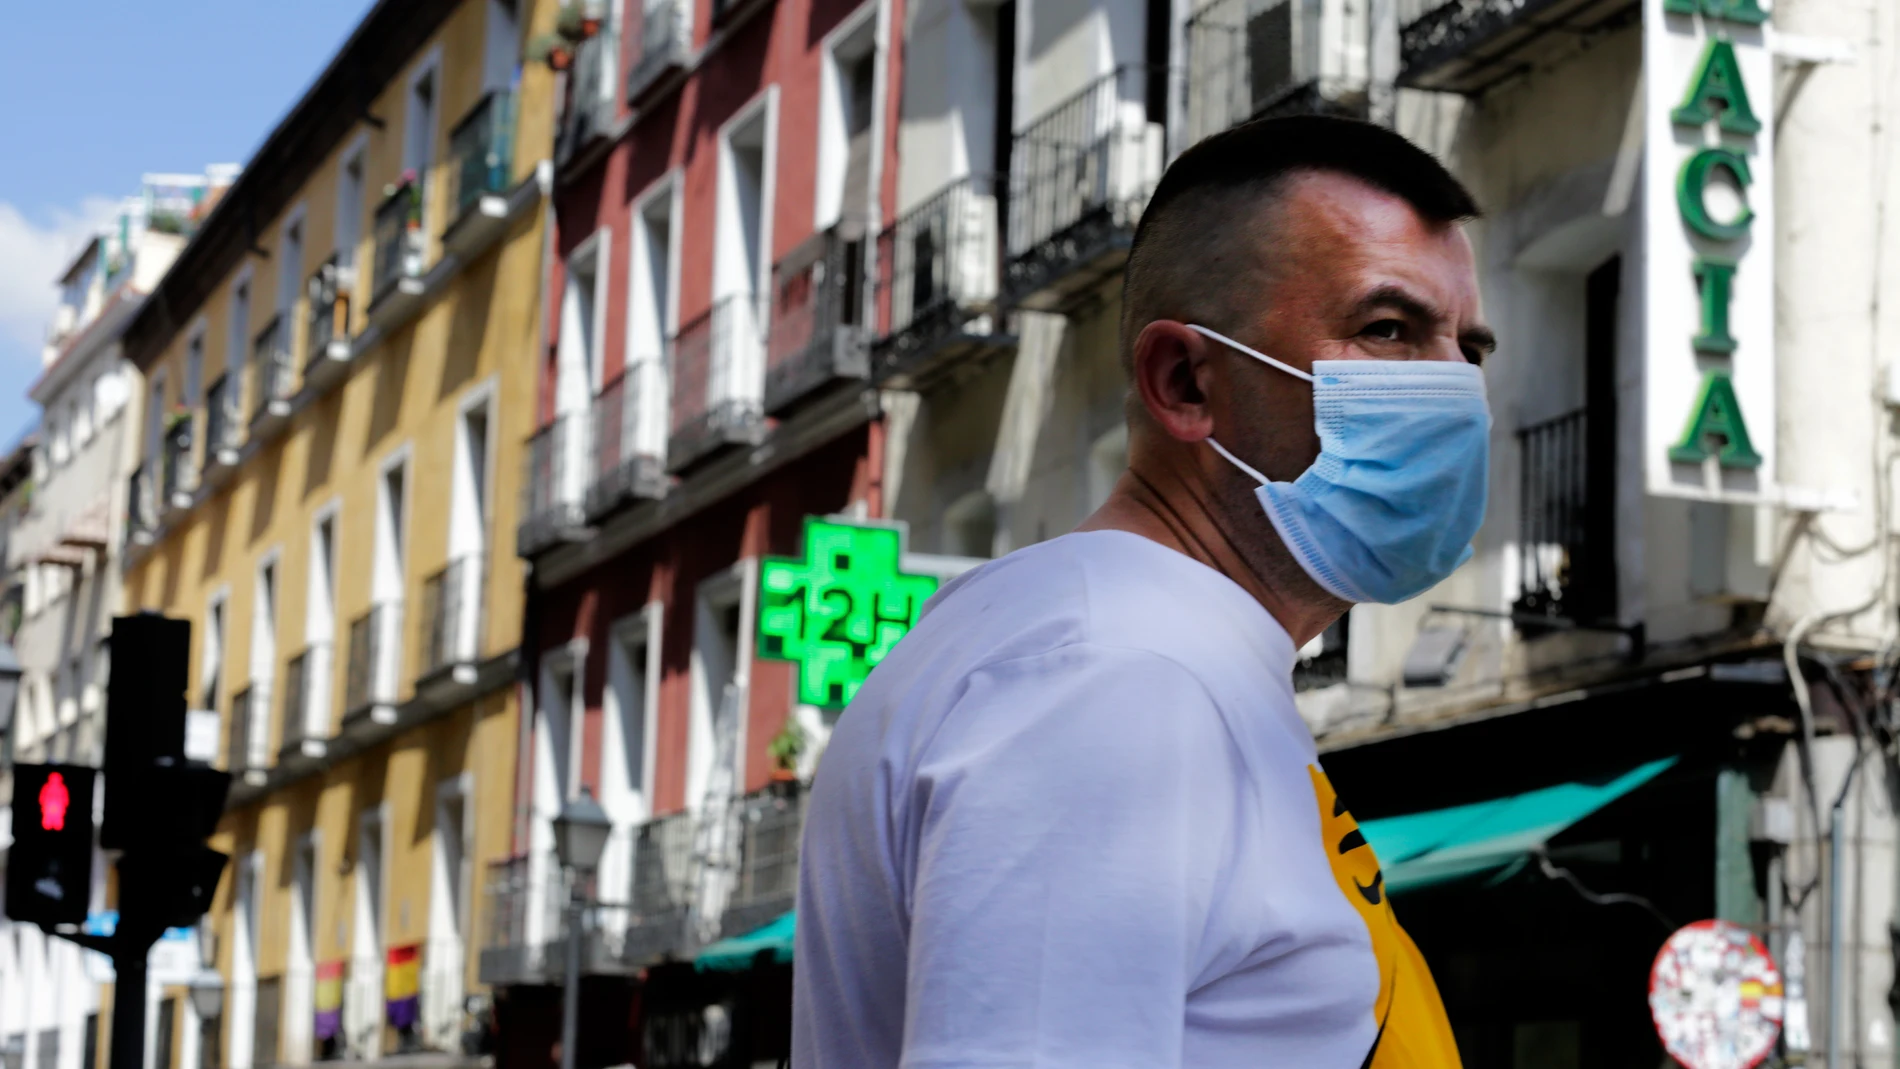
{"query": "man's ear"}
[(1170, 373)]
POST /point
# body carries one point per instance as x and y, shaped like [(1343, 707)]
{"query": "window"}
[(162, 1034), (240, 345), (212, 667), (502, 44), (418, 153), (349, 207), (386, 582), (154, 424), (650, 315), (263, 662), (290, 270), (82, 415), (579, 354), (369, 888), (194, 369)]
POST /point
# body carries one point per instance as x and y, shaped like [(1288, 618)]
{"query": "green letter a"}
[(1718, 81), (1717, 414)]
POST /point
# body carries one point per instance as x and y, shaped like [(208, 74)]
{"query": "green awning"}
[(741, 951), (1422, 849)]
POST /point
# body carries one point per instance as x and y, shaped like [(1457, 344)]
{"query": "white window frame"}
[(346, 239), (833, 140), (738, 584)]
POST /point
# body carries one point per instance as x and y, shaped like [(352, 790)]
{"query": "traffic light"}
[(49, 868), (160, 891), (145, 722)]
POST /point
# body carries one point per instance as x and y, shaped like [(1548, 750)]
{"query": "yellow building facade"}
[(340, 371)]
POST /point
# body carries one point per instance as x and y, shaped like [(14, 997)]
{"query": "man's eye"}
[(1385, 330)]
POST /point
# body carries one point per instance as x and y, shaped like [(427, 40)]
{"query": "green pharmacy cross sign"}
[(838, 611)]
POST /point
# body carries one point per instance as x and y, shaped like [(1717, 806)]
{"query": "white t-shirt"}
[(1075, 819)]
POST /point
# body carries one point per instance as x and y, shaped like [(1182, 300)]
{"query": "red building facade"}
[(723, 169)]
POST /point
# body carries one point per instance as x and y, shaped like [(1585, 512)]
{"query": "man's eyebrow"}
[(1479, 336)]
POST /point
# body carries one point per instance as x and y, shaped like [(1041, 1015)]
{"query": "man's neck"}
[(1181, 517)]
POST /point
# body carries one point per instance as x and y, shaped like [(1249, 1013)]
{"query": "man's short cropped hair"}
[(1194, 203)]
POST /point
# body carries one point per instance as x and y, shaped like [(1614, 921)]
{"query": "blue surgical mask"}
[(1390, 507)]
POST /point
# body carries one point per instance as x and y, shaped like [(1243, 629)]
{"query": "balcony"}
[(1467, 46), (375, 654), (523, 919), (817, 336), (273, 379), (1079, 178), (715, 382), (937, 286), (179, 471), (589, 115), (770, 824), (665, 878), (625, 464), (1248, 59), (400, 245), (327, 332), (481, 169), (306, 726), (452, 623), (141, 510), (224, 436), (1566, 523), (247, 751), (666, 50), (553, 486)]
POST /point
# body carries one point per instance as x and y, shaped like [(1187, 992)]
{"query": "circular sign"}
[(1715, 995)]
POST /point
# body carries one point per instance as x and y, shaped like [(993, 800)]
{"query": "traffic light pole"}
[(128, 1004)]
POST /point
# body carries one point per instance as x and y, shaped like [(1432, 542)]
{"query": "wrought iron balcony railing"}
[(247, 750), (666, 876), (590, 108), (452, 615), (770, 824), (180, 468), (1079, 178), (716, 381), (400, 239), (523, 913), (1467, 46), (937, 266), (375, 649), (272, 376), (224, 422), (625, 443), (481, 152), (553, 485), (817, 334), (306, 698), (329, 321), (1565, 561), (666, 43), (1248, 58)]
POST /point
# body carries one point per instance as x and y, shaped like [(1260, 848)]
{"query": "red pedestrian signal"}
[(54, 799)]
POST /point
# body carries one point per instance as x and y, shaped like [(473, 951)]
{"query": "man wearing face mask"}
[(1074, 819)]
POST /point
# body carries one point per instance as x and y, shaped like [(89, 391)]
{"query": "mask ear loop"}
[(1263, 358), (1237, 462), (1250, 351)]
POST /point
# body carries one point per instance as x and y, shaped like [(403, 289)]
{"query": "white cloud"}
[(31, 256)]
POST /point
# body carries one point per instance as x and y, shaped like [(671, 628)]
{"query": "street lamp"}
[(580, 837), (207, 994)]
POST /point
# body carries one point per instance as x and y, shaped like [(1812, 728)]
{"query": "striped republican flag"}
[(329, 999), (401, 1002)]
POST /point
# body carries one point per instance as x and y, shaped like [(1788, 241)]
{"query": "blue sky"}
[(94, 95)]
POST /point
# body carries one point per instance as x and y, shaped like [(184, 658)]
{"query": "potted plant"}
[(552, 49), (407, 184), (578, 20), (785, 749)]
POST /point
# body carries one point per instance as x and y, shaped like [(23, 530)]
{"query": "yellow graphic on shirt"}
[(1413, 1030)]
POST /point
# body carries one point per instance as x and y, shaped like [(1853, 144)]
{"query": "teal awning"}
[(1421, 849), (741, 951)]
